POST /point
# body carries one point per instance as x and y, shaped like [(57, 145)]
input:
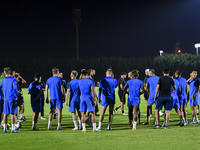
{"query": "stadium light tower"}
[(77, 21), (197, 47), (161, 52)]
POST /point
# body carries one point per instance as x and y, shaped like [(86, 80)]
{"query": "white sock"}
[(197, 119), (94, 126), (59, 125), (183, 119), (193, 119), (109, 124), (5, 126), (148, 119), (75, 124), (83, 125), (197, 111), (186, 119), (20, 116), (79, 123), (134, 124), (131, 121), (13, 126), (33, 124), (49, 124), (99, 125)]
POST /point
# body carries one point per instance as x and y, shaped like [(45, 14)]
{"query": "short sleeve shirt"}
[(165, 83)]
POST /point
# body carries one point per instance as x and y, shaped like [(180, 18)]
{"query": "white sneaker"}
[(115, 111), (96, 130), (124, 114), (109, 128), (83, 130)]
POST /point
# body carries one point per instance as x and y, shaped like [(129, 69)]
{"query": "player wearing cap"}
[(121, 84)]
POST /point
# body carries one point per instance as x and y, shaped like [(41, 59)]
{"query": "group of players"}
[(81, 97)]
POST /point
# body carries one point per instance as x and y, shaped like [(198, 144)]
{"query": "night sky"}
[(134, 28)]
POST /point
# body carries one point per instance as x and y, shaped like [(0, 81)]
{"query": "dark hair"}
[(152, 70), (84, 72), (8, 71), (89, 71), (171, 73), (166, 70), (37, 75), (178, 72), (135, 73), (123, 73)]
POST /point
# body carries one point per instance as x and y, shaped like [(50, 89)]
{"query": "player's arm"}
[(99, 94), (141, 90), (23, 81), (156, 93), (124, 93), (197, 90), (121, 86), (67, 96), (15, 88), (47, 94), (92, 89), (39, 93), (146, 87)]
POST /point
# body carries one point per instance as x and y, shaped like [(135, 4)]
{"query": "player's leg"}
[(59, 119), (135, 117), (5, 122), (83, 120), (93, 118), (168, 103), (101, 117), (197, 109), (149, 107), (52, 111), (42, 109), (130, 114), (159, 105), (75, 121), (79, 120), (111, 107), (35, 120), (139, 114), (96, 109)]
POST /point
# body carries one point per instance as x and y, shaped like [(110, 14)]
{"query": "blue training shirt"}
[(193, 86), (34, 89), (177, 86), (107, 85), (182, 83), (152, 83), (10, 92), (54, 83), (73, 85), (85, 85), (134, 86)]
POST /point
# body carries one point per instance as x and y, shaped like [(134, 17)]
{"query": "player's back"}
[(134, 88), (108, 85), (9, 85), (182, 84), (152, 82), (55, 84), (34, 88), (193, 85), (177, 86), (74, 90), (85, 85)]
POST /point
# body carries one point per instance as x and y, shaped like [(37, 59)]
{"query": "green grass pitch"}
[(121, 137)]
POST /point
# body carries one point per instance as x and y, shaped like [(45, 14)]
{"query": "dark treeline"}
[(185, 62)]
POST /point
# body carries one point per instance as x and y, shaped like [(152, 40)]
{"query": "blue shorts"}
[(10, 107), (133, 103), (73, 106), (194, 102), (36, 106), (176, 104), (56, 103), (106, 101), (164, 101), (150, 100), (182, 100), (87, 104)]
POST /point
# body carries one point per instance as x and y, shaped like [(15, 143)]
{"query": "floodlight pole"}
[(197, 51), (77, 20)]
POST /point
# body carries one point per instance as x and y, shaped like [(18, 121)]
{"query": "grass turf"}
[(121, 137)]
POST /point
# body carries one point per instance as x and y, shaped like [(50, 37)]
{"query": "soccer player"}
[(1, 99), (164, 86), (193, 82), (135, 86), (73, 91), (182, 95), (20, 100), (121, 84), (56, 96), (10, 95), (176, 104), (146, 94), (151, 83), (86, 85), (107, 87), (42, 98), (35, 89)]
